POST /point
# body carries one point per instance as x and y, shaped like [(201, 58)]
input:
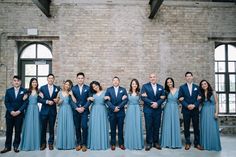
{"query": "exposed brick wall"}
[(105, 39)]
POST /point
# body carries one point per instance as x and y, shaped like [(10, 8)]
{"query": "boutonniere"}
[(56, 90), (21, 92), (195, 89), (85, 90), (121, 91), (159, 89)]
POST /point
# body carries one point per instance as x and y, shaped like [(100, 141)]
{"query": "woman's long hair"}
[(209, 91), (70, 83), (130, 86), (31, 87), (91, 86), (167, 89)]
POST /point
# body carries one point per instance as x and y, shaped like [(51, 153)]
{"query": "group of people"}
[(86, 110)]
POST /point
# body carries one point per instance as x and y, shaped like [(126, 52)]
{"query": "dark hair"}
[(31, 87), (70, 83), (16, 77), (116, 77), (130, 86), (188, 72), (96, 83), (51, 75), (167, 89), (80, 73), (209, 91)]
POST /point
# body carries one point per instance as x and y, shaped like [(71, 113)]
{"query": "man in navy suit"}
[(81, 111), (15, 105), (48, 110), (117, 98), (188, 95), (153, 96)]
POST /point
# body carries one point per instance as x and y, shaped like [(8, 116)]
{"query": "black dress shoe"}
[(147, 148), (50, 146), (5, 150), (16, 150)]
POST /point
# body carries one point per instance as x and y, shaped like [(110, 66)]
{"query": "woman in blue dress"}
[(31, 127), (170, 136), (209, 129), (98, 134), (65, 128), (133, 121)]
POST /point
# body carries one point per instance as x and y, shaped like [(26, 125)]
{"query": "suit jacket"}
[(48, 109), (151, 97), (13, 103), (81, 97), (116, 101), (184, 92)]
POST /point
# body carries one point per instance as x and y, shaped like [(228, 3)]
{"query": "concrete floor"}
[(228, 150)]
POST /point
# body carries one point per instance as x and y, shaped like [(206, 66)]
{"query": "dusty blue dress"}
[(209, 129), (98, 134), (133, 139), (31, 127), (65, 128), (170, 133)]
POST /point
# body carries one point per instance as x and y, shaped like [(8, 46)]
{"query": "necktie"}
[(190, 89), (16, 92), (50, 91)]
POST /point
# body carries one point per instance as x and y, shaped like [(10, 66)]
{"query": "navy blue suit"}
[(81, 119), (14, 103), (48, 113), (190, 114), (116, 118), (152, 116)]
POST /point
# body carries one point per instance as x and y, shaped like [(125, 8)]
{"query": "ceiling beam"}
[(44, 6), (154, 5)]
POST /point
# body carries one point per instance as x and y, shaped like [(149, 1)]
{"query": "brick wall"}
[(105, 38)]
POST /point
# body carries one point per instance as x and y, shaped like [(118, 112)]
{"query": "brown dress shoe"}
[(157, 146), (147, 148), (122, 147), (113, 147), (84, 148), (43, 146), (5, 150), (78, 148), (50, 146), (198, 147), (187, 147)]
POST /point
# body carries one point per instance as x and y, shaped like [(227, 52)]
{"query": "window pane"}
[(221, 82), (232, 83), (216, 82), (30, 69), (232, 67), (231, 53), (232, 103), (27, 81), (43, 52), (220, 52), (29, 52), (222, 103), (221, 66), (42, 81), (43, 69)]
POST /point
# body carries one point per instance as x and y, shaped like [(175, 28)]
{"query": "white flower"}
[(121, 91), (195, 89), (56, 90), (21, 92), (159, 89), (85, 90)]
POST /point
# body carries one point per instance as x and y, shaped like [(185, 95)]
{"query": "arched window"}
[(225, 77), (35, 61)]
